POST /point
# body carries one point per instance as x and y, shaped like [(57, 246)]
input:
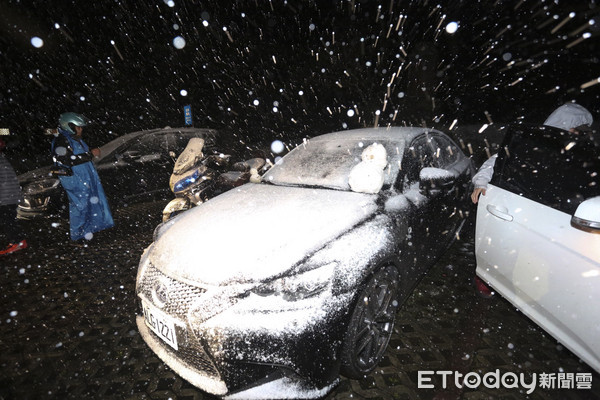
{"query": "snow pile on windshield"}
[(368, 175), (329, 162)]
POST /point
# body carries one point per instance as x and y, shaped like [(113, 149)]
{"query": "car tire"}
[(371, 324)]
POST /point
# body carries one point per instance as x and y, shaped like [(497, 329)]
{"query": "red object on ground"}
[(13, 247), (482, 288)]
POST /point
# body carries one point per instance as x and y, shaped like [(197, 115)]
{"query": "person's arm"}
[(485, 173), (63, 153), (482, 178)]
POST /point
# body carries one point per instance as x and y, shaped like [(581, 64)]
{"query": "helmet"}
[(66, 120), (569, 115)]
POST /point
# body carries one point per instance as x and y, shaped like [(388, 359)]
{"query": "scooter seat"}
[(233, 178), (247, 165)]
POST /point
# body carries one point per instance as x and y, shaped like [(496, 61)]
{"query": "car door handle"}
[(499, 212)]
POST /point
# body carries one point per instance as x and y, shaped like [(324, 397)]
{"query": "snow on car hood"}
[(255, 232)]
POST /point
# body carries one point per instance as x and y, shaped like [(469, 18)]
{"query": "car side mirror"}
[(587, 215), (433, 180)]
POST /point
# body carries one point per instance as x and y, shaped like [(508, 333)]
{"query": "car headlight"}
[(41, 186), (299, 286)]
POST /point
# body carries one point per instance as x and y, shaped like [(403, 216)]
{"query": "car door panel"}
[(425, 219), (532, 262), (529, 252), (438, 203)]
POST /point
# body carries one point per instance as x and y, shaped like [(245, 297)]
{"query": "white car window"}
[(551, 166)]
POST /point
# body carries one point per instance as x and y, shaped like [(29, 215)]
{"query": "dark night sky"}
[(288, 69)]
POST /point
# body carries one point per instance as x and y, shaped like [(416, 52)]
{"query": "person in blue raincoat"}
[(89, 211)]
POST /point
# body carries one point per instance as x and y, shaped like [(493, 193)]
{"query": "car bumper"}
[(240, 349)]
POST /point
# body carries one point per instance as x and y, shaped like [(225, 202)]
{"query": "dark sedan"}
[(133, 167), (274, 288)]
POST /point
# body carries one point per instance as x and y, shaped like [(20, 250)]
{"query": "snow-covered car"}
[(538, 233), (132, 167), (273, 288)]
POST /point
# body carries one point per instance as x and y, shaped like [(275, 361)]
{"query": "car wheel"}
[(371, 324)]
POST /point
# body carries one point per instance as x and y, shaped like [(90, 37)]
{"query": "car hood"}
[(255, 232)]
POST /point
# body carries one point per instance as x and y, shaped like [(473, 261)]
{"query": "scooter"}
[(197, 178)]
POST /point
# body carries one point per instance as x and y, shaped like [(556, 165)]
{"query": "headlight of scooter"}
[(300, 286), (186, 182), (198, 179)]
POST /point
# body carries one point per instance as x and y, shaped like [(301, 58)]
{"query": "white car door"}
[(527, 250)]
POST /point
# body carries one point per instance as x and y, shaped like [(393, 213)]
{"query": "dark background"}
[(312, 60)]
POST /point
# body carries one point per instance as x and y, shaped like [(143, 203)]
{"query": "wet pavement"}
[(67, 328)]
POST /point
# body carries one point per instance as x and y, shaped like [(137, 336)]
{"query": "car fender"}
[(358, 252)]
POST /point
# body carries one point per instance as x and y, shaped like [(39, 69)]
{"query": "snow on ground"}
[(284, 388)]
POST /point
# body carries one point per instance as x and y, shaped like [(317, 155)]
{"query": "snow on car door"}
[(525, 245)]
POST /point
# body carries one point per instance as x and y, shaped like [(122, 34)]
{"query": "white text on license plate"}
[(160, 324)]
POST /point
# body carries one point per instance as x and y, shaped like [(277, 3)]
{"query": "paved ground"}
[(67, 327)]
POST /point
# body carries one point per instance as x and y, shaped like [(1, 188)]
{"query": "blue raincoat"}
[(88, 208)]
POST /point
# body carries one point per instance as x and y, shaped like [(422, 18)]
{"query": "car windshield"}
[(327, 163), (151, 141), (108, 148)]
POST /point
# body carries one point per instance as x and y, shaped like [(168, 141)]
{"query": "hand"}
[(476, 193), (96, 152)]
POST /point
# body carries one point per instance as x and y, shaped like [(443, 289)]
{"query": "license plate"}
[(161, 324)]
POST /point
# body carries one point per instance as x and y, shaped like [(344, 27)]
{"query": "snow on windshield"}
[(329, 162)]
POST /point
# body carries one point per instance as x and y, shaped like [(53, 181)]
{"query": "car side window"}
[(447, 152), (419, 154), (150, 145), (550, 166), (147, 148)]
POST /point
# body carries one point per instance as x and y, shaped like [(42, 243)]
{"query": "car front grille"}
[(181, 295), (191, 352)]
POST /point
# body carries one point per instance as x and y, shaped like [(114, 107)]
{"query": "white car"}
[(538, 233)]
